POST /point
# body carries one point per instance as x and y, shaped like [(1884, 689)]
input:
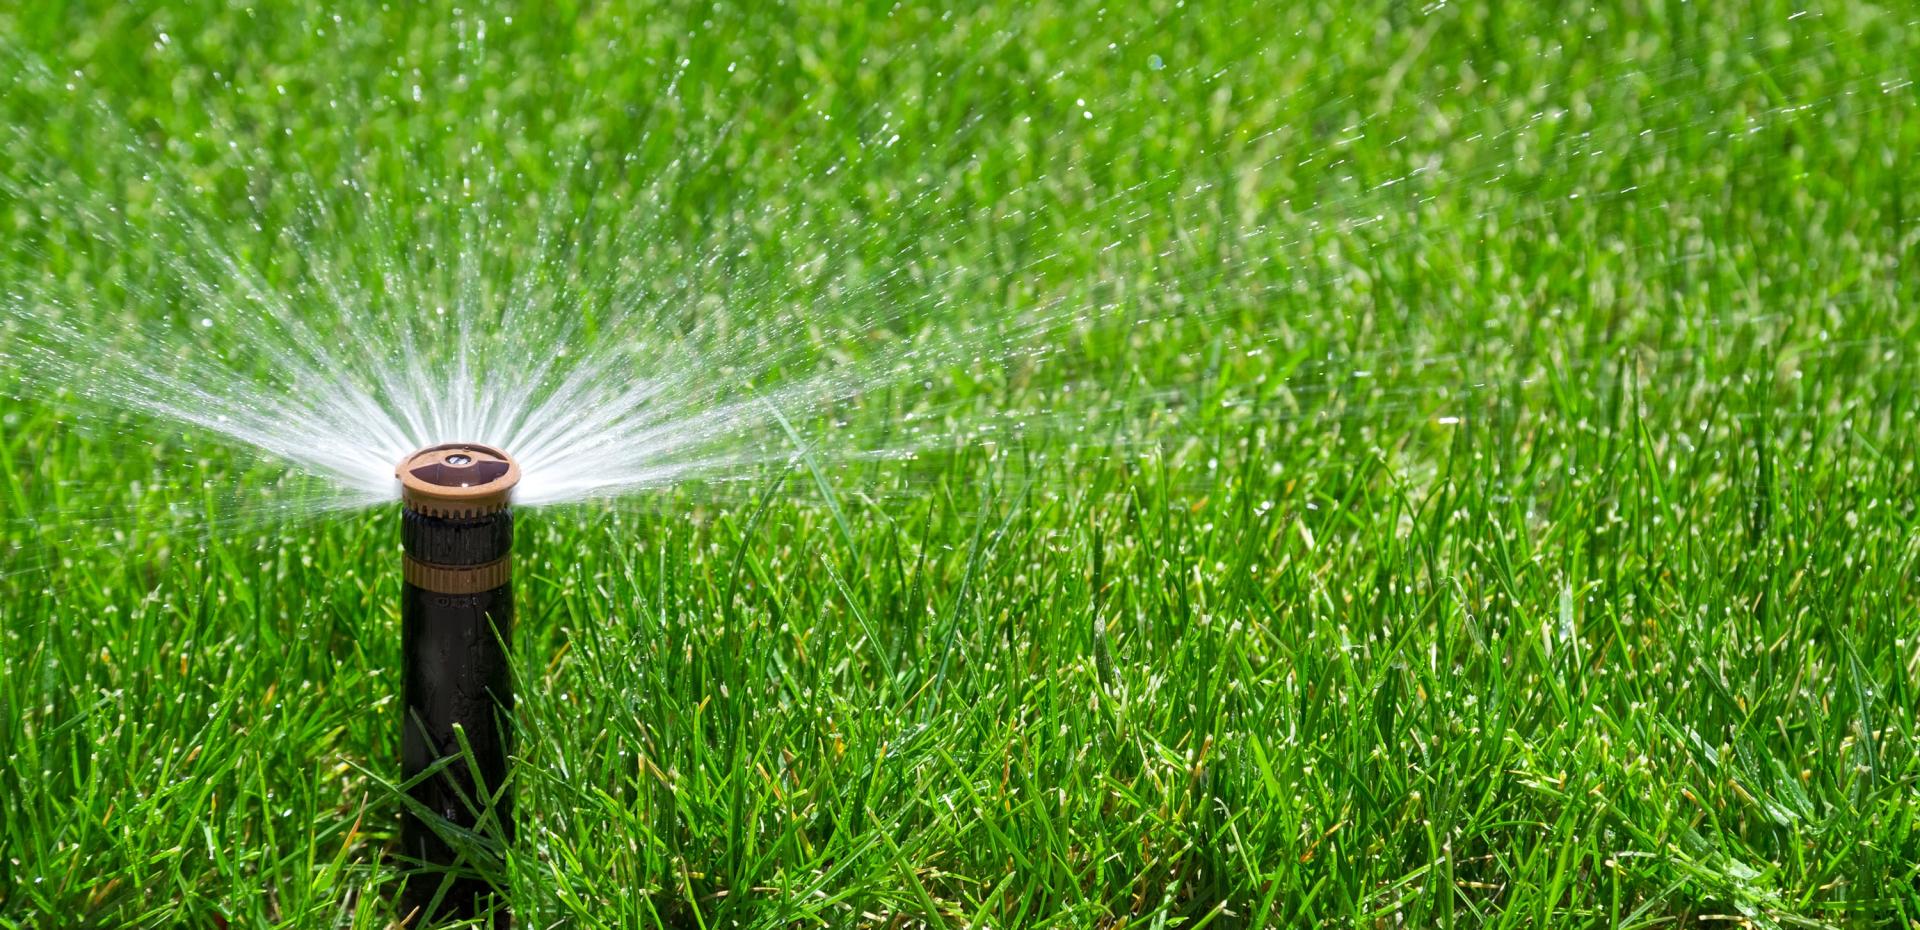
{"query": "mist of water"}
[(610, 351)]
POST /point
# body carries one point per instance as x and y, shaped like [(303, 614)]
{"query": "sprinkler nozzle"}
[(457, 480)]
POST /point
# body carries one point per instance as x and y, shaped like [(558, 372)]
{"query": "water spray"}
[(456, 618)]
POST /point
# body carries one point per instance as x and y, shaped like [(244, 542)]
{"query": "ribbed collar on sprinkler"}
[(457, 480)]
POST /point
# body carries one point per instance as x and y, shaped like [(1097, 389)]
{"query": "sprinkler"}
[(456, 617)]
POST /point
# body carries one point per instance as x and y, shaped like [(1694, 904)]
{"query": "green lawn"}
[(1377, 464)]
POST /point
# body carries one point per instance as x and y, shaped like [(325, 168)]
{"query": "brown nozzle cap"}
[(457, 480)]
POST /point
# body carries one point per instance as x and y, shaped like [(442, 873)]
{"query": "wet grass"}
[(1485, 496)]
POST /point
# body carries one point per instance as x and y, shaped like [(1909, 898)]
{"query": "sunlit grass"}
[(1474, 486)]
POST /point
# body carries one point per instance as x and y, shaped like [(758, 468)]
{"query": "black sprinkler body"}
[(456, 617)]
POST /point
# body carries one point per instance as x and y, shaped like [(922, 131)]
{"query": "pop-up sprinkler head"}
[(457, 479), (456, 634)]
